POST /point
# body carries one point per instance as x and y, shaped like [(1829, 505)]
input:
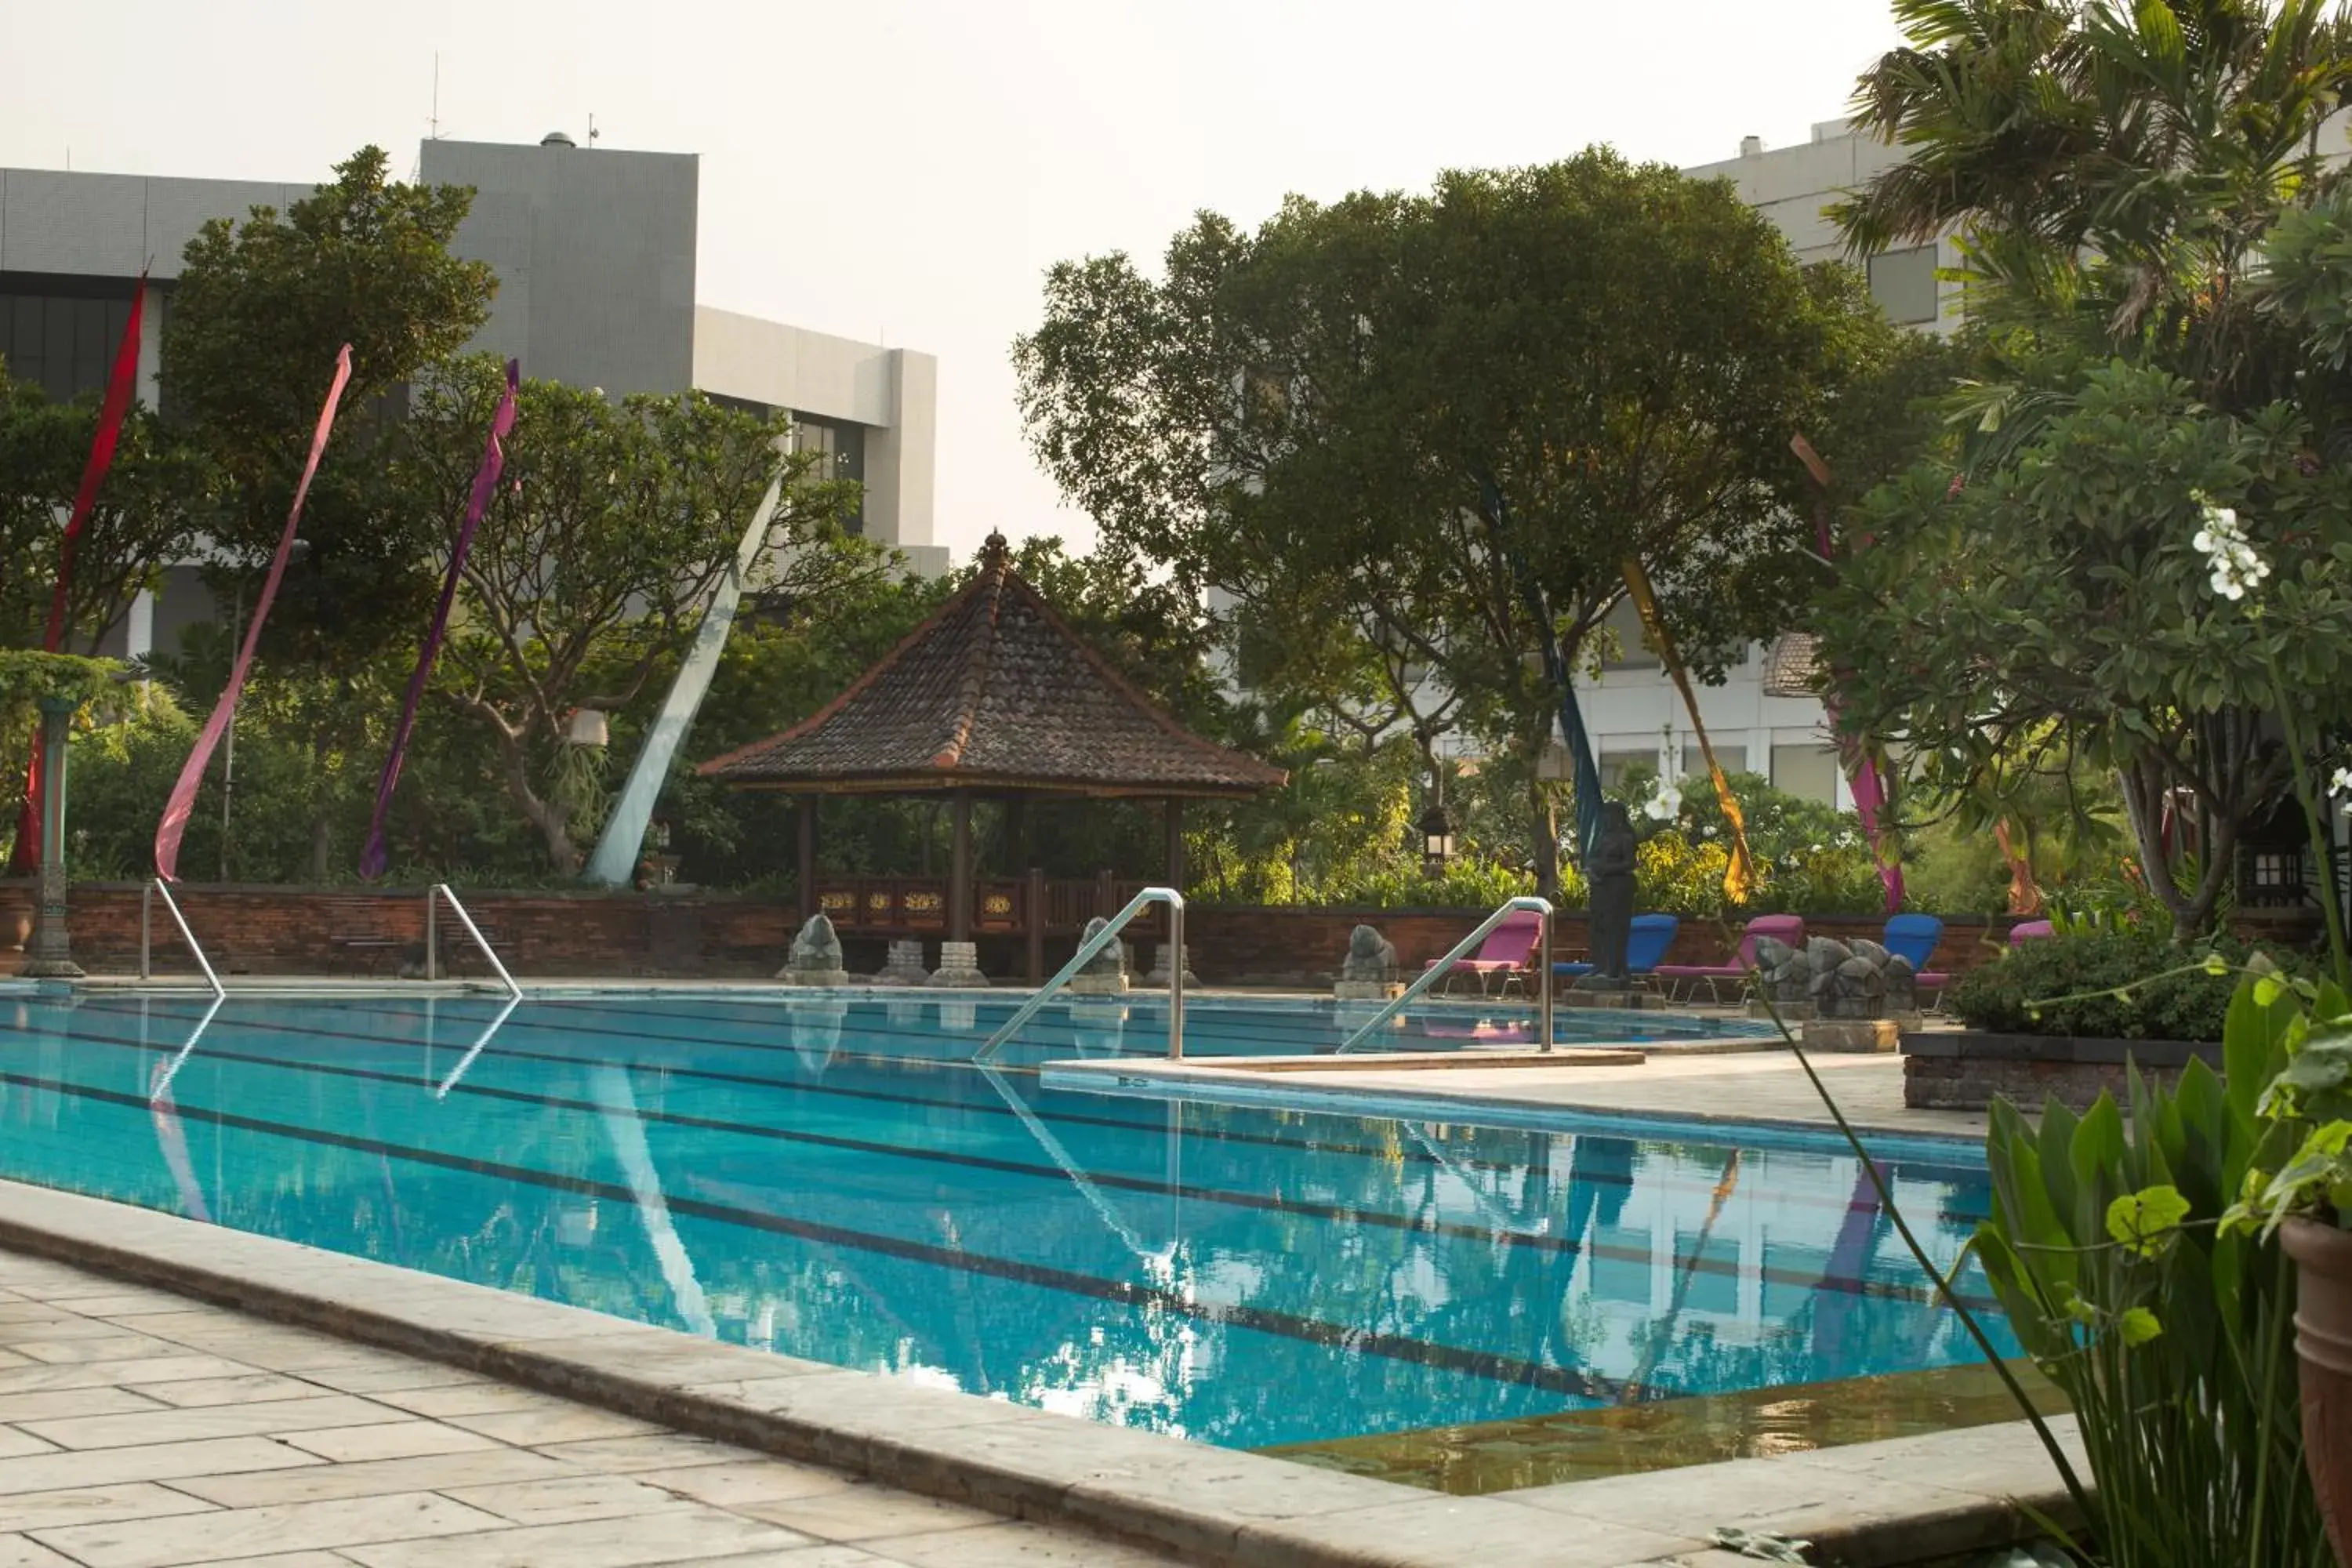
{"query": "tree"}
[(1446, 421), (259, 310), (148, 513), (2145, 214), (611, 526)]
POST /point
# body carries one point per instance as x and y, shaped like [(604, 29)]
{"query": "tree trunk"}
[(552, 820), (322, 814), (1544, 820)]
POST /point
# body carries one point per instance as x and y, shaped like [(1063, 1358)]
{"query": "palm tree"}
[(2110, 172)]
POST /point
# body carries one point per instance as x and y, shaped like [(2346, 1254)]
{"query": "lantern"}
[(1436, 837), (1792, 667)]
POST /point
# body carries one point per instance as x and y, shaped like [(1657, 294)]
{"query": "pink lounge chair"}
[(2030, 931), (1790, 929), (1508, 950)]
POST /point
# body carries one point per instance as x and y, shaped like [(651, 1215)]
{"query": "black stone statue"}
[(1609, 876)]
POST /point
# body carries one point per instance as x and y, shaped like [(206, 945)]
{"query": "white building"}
[(1631, 707), (594, 252)]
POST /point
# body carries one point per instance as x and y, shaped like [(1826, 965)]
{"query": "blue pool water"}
[(829, 1179)]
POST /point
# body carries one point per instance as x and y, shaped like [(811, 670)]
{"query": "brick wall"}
[(292, 931)]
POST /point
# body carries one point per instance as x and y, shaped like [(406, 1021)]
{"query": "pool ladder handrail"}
[(432, 897), (1461, 950), (1086, 953), (147, 892)]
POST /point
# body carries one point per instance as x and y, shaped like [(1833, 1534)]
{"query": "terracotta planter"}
[(2322, 1344)]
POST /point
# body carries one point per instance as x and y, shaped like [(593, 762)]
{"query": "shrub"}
[(2125, 985)]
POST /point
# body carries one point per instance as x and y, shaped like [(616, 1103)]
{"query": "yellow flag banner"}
[(1739, 876)]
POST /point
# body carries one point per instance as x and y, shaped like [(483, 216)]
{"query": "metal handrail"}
[(1085, 955), (433, 895), (147, 892), (1438, 970)]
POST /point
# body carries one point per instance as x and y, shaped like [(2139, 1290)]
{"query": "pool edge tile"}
[(1223, 1505)]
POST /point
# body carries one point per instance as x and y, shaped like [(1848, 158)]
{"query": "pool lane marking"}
[(1493, 1367), (793, 1085), (1334, 1213)]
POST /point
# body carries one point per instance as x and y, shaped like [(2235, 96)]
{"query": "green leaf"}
[(2138, 1326), (2145, 1220)]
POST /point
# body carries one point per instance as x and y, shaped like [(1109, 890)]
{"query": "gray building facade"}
[(595, 251)]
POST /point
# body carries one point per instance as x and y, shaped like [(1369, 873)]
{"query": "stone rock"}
[(815, 956), (959, 967), (1159, 977), (1850, 1034), (1104, 975), (904, 966), (1826, 979), (1368, 971)]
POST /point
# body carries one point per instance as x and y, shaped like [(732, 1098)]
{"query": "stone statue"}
[(815, 956), (1610, 875), (1826, 979), (1105, 973), (1369, 969)]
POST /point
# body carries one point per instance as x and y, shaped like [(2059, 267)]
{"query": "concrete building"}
[(1631, 706), (595, 251)]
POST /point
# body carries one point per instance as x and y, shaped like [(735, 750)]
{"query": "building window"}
[(1615, 764), (1733, 760), (1624, 621), (1811, 772), (60, 333), (843, 446), (1904, 284)]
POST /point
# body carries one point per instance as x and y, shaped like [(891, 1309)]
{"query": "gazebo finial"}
[(994, 551)]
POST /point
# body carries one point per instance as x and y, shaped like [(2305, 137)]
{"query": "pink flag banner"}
[(121, 381), (175, 825), (373, 859)]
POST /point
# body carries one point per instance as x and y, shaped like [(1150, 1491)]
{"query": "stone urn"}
[(2322, 1344)]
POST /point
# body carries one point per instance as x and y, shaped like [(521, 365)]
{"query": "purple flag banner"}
[(486, 478), (175, 825)]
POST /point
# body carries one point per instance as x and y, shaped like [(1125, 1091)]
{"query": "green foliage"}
[(2123, 984), (1328, 418), (609, 529), (156, 496), (2170, 1333), (2305, 1166)]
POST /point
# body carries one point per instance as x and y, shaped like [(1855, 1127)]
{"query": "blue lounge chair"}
[(1645, 947), (1916, 937)]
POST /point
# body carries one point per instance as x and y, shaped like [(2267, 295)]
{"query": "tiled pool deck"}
[(142, 1429)]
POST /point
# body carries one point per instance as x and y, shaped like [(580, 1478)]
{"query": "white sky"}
[(907, 169)]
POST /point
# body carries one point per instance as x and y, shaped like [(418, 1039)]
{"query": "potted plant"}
[(2300, 1190)]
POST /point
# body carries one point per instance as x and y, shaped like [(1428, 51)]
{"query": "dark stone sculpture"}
[(1611, 878)]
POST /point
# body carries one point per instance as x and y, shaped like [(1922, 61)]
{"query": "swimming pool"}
[(824, 1178)]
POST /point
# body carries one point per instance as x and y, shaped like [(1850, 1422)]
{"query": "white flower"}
[(2341, 783), (2235, 566), (1666, 804)]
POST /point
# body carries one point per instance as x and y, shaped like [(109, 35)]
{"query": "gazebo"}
[(992, 698)]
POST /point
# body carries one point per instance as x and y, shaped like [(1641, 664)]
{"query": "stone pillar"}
[(958, 967), (960, 871), (808, 857), (50, 954)]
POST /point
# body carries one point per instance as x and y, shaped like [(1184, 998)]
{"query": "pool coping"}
[(1258, 1086), (1870, 1506)]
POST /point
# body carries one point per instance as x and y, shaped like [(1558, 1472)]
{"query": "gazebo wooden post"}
[(1034, 908), (960, 871), (808, 857), (1175, 843)]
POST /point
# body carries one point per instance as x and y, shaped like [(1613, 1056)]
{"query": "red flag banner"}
[(175, 824), (486, 478), (119, 383)]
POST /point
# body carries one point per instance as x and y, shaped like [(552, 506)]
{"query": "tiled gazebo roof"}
[(993, 691)]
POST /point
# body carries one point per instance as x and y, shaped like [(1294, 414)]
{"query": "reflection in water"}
[(480, 1040), (611, 1085), (835, 1182)]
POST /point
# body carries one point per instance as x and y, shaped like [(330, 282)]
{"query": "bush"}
[(2106, 985)]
